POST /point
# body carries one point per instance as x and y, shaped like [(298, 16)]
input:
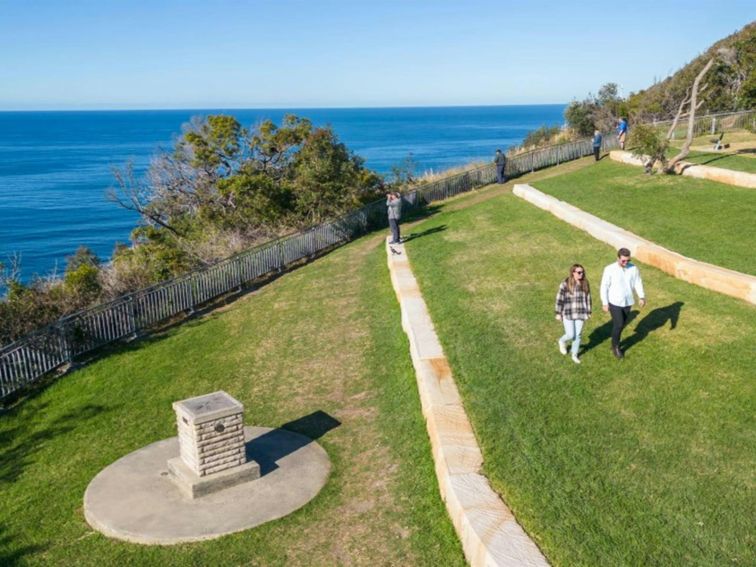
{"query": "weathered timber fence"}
[(712, 124), (31, 357)]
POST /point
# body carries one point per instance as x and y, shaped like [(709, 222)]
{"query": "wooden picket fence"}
[(26, 360)]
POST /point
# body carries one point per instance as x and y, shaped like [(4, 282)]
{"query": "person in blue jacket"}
[(622, 132)]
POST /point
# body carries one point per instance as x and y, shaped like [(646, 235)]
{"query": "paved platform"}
[(135, 500)]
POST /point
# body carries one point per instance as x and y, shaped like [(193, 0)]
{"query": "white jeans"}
[(572, 330)]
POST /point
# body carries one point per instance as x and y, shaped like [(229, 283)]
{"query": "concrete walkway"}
[(709, 276), (489, 533)]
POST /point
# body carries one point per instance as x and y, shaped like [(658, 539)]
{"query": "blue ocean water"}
[(55, 167)]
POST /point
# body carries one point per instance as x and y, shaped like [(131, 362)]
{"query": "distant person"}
[(394, 206), (622, 132), (573, 308), (618, 282), (501, 163), (597, 139)]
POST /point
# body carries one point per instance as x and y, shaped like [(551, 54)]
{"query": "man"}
[(597, 139), (501, 163), (622, 132), (394, 205), (617, 284)]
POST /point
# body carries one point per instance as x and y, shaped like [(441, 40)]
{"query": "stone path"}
[(489, 533)]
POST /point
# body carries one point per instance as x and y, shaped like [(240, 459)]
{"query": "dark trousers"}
[(596, 152), (394, 224), (620, 316), (500, 177)]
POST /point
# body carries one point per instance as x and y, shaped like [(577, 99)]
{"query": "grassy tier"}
[(645, 461), (701, 219), (320, 351)]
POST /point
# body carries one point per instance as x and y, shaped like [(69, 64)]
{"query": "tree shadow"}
[(655, 319), (270, 447), (20, 444), (428, 232), (11, 554)]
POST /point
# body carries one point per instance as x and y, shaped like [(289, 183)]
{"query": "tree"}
[(725, 56)]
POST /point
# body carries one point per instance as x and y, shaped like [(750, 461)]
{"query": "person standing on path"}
[(394, 206), (597, 138), (622, 132), (618, 282), (573, 308), (501, 163)]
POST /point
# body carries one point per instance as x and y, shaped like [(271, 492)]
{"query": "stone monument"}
[(211, 445)]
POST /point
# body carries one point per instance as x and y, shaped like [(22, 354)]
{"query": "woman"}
[(573, 308)]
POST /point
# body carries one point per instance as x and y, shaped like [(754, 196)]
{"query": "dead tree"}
[(725, 55)]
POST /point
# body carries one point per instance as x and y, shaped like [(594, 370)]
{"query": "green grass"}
[(701, 219), (720, 159), (325, 338), (647, 461)]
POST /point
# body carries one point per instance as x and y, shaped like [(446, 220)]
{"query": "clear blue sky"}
[(221, 54)]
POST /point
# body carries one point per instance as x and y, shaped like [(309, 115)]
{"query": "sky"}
[(113, 54)]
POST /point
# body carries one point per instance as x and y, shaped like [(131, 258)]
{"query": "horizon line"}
[(160, 109)]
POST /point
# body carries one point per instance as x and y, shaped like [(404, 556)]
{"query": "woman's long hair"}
[(585, 287)]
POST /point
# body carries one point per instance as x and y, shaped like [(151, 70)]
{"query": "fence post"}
[(132, 316), (713, 125), (66, 347), (279, 247)]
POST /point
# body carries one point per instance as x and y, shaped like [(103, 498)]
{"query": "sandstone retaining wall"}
[(722, 280)]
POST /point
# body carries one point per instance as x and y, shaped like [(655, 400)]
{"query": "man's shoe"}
[(618, 352), (575, 359), (562, 347)]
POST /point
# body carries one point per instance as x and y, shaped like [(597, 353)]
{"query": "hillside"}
[(730, 87)]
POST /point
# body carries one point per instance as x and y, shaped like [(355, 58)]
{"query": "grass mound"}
[(647, 461)]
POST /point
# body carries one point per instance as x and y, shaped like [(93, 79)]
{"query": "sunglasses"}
[(624, 260), (579, 272)]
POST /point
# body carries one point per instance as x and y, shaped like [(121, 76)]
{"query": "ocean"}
[(56, 167)]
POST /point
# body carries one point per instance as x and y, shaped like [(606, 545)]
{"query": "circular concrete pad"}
[(135, 500)]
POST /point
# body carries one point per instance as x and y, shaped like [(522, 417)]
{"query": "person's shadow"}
[(651, 322), (656, 319)]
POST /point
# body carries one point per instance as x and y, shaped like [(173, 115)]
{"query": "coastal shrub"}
[(647, 142), (541, 136)]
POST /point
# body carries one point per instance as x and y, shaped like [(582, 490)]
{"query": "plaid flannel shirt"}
[(575, 305)]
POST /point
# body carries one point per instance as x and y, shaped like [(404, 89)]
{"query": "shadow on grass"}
[(655, 319), (434, 230), (10, 553), (603, 333), (275, 445), (20, 444)]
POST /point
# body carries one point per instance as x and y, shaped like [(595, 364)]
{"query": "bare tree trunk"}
[(685, 150)]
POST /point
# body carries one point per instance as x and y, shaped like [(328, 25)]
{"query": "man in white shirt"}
[(619, 280)]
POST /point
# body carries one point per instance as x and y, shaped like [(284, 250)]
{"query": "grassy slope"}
[(324, 338), (648, 461), (701, 219)]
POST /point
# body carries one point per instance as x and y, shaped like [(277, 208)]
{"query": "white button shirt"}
[(618, 283)]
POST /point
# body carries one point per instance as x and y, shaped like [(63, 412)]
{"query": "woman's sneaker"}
[(562, 347), (575, 359)]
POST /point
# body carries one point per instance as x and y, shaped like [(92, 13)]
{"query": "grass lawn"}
[(325, 338), (647, 461), (723, 159), (701, 219)]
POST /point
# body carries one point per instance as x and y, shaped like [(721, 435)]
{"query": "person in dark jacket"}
[(501, 163), (597, 139), (394, 206), (573, 308)]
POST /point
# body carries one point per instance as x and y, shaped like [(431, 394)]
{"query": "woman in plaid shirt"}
[(573, 308)]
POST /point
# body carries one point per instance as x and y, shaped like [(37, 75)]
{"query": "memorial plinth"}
[(211, 445)]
